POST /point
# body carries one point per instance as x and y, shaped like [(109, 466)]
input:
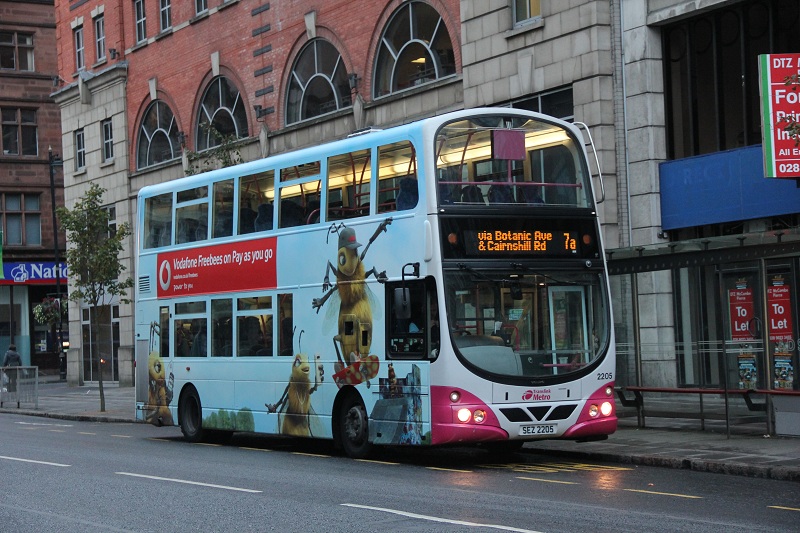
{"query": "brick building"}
[(31, 125)]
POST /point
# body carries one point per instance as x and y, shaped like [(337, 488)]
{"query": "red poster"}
[(779, 103), (240, 266), (741, 308), (779, 313)]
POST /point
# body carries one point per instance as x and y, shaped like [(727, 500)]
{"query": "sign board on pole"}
[(778, 103)]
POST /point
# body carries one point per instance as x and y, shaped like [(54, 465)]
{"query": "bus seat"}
[(291, 214), (449, 194), (247, 218), (500, 194), (408, 197), (472, 194), (532, 196), (263, 221)]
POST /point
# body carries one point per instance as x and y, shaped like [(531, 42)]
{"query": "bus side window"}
[(254, 326), (163, 314), (221, 328), (158, 221), (397, 177), (349, 175), (408, 324), (255, 191), (222, 216), (286, 327)]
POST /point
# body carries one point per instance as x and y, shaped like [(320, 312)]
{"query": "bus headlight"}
[(455, 396), (609, 391), (479, 415), (593, 410), (606, 408), (464, 415)]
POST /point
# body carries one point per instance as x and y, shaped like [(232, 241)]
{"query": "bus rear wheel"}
[(354, 427), (190, 411)]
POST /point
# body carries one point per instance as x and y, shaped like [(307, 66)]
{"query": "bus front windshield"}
[(495, 159), (527, 324)]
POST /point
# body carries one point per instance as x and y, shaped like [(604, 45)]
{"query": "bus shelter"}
[(711, 323)]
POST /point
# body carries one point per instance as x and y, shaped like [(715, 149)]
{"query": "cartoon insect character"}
[(159, 389), (295, 402), (354, 336)]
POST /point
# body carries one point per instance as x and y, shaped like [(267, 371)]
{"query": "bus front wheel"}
[(190, 412), (354, 427)]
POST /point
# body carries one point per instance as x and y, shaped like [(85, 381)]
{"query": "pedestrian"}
[(12, 359)]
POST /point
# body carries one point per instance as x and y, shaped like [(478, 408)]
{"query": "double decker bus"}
[(437, 283)]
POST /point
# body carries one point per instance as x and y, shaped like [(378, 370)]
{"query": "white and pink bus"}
[(437, 283)]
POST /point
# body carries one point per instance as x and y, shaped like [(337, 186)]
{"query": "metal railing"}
[(20, 385)]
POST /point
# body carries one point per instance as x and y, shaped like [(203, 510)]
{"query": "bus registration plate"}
[(538, 429)]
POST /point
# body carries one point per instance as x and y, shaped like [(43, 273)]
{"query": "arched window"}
[(222, 110), (415, 49), (158, 136), (318, 83)]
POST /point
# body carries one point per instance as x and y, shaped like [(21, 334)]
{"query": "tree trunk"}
[(94, 325)]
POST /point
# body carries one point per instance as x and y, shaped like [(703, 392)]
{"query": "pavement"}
[(670, 443)]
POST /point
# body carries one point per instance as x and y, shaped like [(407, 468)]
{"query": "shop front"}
[(23, 286)]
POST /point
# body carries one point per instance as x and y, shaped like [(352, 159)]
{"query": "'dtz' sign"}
[(779, 102), (240, 266)]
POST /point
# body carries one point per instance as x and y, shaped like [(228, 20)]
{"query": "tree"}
[(93, 260), (224, 154)]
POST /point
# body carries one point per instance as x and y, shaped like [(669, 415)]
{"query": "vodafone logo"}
[(164, 275)]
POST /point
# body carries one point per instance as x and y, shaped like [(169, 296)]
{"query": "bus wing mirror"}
[(402, 303)]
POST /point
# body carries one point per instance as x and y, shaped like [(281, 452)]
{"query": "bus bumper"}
[(448, 404)]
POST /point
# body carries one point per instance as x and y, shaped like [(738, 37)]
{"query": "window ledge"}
[(79, 173), (425, 87), (100, 63), (107, 163), (165, 33), (525, 27), (137, 46), (200, 16), (226, 3)]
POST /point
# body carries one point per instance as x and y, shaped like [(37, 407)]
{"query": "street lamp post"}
[(56, 161)]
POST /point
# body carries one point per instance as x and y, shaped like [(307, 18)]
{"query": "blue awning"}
[(722, 187)]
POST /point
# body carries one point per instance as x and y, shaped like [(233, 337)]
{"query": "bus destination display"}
[(519, 238), (535, 242)]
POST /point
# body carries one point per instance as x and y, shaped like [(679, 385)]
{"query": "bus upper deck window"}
[(397, 177), (256, 196), (158, 221), (349, 177), (222, 221)]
